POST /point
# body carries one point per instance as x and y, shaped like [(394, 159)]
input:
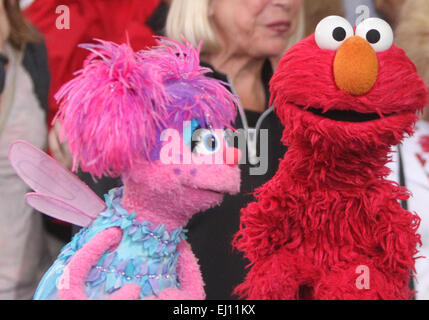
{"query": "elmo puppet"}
[(329, 225)]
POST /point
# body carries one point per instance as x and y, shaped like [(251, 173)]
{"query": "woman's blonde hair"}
[(190, 19)]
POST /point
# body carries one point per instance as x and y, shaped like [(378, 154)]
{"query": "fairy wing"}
[(58, 209), (59, 193)]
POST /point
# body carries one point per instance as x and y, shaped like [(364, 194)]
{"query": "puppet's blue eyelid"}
[(189, 132)]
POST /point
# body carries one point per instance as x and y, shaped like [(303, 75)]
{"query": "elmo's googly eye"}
[(377, 32), (332, 31)]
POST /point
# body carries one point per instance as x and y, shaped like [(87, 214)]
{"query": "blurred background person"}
[(410, 20), (241, 38), (23, 111), (313, 13)]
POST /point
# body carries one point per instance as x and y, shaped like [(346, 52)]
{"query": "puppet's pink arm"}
[(189, 277), (72, 282), (189, 273)]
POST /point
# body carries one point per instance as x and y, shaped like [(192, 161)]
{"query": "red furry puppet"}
[(329, 225)]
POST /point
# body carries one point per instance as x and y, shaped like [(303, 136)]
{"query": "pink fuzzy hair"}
[(113, 111), (103, 114)]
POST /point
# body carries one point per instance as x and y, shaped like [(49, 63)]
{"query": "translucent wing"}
[(58, 209), (55, 186)]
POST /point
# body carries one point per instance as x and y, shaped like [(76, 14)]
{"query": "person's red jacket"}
[(96, 19)]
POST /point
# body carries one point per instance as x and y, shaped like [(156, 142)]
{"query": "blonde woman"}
[(243, 40)]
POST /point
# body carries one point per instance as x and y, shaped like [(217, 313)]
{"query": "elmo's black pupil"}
[(373, 36), (339, 34)]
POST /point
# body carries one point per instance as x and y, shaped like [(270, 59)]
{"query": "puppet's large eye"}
[(377, 32), (205, 141), (332, 31)]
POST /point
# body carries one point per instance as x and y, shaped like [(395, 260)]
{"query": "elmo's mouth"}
[(342, 115)]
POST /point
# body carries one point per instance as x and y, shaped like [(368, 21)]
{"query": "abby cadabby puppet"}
[(155, 119)]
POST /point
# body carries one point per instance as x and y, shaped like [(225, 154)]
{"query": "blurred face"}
[(258, 28)]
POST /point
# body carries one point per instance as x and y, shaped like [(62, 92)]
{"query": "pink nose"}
[(232, 156)]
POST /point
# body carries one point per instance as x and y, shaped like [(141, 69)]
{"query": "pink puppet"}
[(154, 118)]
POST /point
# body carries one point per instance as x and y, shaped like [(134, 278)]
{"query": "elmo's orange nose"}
[(356, 66)]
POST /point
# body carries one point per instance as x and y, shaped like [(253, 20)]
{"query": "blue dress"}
[(146, 255)]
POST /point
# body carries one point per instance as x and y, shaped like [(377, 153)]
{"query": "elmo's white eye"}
[(332, 31), (377, 32)]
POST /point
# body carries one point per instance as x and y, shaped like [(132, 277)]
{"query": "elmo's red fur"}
[(329, 209)]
